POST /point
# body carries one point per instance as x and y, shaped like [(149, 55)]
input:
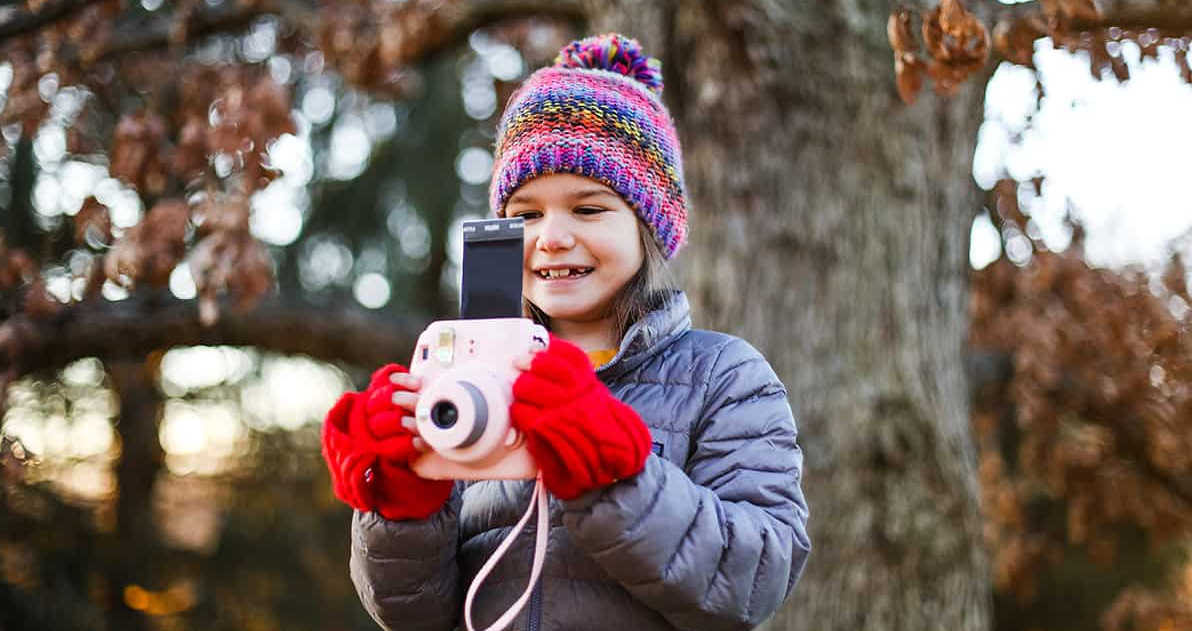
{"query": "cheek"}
[(629, 255), (636, 255), (618, 245)]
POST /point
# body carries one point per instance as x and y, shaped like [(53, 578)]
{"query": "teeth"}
[(561, 273)]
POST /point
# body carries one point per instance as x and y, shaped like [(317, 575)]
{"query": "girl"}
[(670, 452)]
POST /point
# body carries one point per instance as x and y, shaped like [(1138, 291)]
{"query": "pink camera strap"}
[(539, 501)]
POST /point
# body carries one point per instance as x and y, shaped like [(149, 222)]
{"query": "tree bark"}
[(829, 227)]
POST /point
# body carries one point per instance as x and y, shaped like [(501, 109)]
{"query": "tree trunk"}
[(16, 220), (830, 228), (140, 462)]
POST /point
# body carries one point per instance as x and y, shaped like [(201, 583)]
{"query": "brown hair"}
[(646, 291)]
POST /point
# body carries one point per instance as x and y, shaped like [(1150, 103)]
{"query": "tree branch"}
[(158, 35), (480, 13), (146, 322), (452, 24), (1166, 15), (24, 22), (457, 21)]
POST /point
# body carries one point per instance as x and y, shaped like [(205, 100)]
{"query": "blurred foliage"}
[(228, 152), (287, 143), (1086, 449)]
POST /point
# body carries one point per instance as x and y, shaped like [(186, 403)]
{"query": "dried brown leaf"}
[(957, 45), (1015, 39), (93, 225), (139, 153), (901, 33), (908, 75), (149, 251)]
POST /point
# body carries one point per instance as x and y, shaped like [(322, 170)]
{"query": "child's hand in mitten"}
[(368, 450), (581, 437), (390, 399)]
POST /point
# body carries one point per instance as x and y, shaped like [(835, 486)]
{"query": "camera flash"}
[(445, 350)]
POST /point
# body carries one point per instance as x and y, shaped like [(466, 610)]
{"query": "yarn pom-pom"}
[(616, 53)]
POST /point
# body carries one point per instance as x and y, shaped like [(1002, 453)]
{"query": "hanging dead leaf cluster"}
[(1059, 21), (93, 225), (1092, 424), (224, 260), (228, 259), (375, 45), (955, 45), (207, 128), (140, 154), (173, 125), (24, 106), (149, 251), (64, 49), (1015, 39), (224, 113), (233, 113)]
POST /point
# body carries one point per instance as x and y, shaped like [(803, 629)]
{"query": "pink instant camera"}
[(467, 373)]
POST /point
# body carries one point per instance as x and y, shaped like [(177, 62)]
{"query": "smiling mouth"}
[(571, 272)]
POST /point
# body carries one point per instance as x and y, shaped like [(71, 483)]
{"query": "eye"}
[(525, 215), (590, 210)]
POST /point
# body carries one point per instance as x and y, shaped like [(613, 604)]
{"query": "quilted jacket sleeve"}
[(720, 545), (406, 572)]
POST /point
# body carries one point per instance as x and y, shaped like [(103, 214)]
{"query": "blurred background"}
[(971, 221)]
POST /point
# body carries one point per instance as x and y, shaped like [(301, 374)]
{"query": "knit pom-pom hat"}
[(597, 112)]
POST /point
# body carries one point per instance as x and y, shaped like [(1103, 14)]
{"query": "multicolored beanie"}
[(597, 112)]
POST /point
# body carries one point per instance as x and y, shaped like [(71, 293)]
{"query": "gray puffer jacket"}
[(711, 535)]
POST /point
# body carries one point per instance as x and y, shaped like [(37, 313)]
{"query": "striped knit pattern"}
[(597, 113)]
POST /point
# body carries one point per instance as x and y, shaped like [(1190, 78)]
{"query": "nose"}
[(554, 233)]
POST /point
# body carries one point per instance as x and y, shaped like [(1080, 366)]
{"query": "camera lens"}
[(444, 414)]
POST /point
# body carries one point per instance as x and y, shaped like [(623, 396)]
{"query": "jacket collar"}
[(648, 336)]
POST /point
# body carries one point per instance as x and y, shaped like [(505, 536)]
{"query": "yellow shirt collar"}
[(600, 358)]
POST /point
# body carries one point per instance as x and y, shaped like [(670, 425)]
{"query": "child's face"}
[(583, 229)]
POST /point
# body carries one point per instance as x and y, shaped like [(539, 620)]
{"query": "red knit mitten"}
[(368, 453), (581, 437)]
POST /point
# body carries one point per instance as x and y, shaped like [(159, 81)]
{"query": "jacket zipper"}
[(536, 607)]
